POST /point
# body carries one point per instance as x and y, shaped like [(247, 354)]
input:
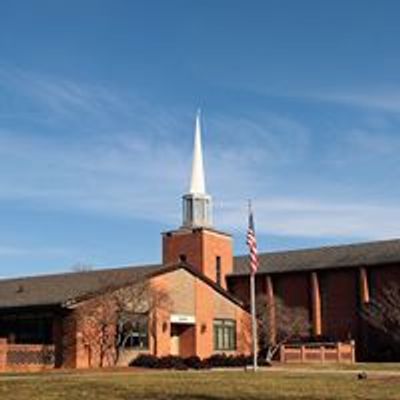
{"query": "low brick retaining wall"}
[(3, 354), (26, 357), (318, 353)]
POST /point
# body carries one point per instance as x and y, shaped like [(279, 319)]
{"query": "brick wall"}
[(204, 320), (339, 294), (243, 332), (69, 340), (217, 244), (161, 330), (181, 290), (25, 357), (376, 345), (318, 353), (3, 354), (240, 287), (211, 305), (200, 247), (183, 242), (381, 275), (208, 304)]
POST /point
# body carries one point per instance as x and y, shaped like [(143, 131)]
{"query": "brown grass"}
[(207, 385)]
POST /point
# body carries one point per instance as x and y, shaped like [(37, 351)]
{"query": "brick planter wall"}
[(3, 354), (318, 353), (26, 357)]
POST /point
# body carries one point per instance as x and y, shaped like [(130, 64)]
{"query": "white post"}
[(253, 318)]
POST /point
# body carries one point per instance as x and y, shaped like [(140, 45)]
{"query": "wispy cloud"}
[(313, 217), (60, 96), (379, 98), (131, 160), (139, 169)]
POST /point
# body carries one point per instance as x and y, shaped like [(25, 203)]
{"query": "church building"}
[(41, 323)]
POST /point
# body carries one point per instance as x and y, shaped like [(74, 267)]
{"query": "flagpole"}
[(253, 311), (253, 318)]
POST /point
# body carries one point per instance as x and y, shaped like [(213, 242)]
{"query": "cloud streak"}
[(377, 98), (315, 218), (123, 161)]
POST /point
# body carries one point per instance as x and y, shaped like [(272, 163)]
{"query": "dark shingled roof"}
[(58, 289), (52, 290), (352, 255), (66, 289)]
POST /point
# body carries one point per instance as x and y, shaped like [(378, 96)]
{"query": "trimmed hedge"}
[(145, 361), (223, 360), (193, 362), (172, 362)]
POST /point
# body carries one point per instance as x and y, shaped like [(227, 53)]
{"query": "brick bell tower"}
[(196, 241)]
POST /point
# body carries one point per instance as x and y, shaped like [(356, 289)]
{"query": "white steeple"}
[(197, 204), (197, 182)]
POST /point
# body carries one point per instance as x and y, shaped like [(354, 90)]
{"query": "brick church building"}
[(208, 291)]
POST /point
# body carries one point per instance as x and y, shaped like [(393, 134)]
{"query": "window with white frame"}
[(224, 334)]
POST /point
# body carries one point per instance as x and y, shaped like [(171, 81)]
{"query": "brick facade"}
[(340, 304), (26, 357), (3, 354), (200, 248), (188, 296), (332, 300), (204, 304)]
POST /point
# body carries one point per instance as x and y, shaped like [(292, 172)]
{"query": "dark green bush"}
[(172, 362), (145, 361), (223, 360), (193, 362)]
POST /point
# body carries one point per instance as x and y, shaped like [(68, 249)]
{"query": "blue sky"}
[(301, 112)]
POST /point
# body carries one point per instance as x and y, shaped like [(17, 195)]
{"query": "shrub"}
[(223, 360), (172, 362), (145, 361), (194, 362), (216, 360)]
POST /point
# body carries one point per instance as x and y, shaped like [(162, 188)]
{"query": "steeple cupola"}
[(196, 242), (197, 205)]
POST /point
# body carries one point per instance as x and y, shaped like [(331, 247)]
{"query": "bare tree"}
[(106, 321), (383, 312), (82, 267), (279, 324)]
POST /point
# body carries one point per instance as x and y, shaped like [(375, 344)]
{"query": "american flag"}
[(252, 243)]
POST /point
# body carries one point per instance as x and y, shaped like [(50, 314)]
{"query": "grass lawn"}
[(389, 367), (209, 385)]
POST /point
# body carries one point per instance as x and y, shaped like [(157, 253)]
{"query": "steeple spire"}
[(197, 204), (197, 182)]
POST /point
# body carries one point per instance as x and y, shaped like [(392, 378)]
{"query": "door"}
[(174, 345)]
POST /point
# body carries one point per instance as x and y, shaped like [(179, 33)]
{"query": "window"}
[(189, 209), (224, 334), (182, 258), (198, 211), (27, 328), (134, 332), (218, 270)]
